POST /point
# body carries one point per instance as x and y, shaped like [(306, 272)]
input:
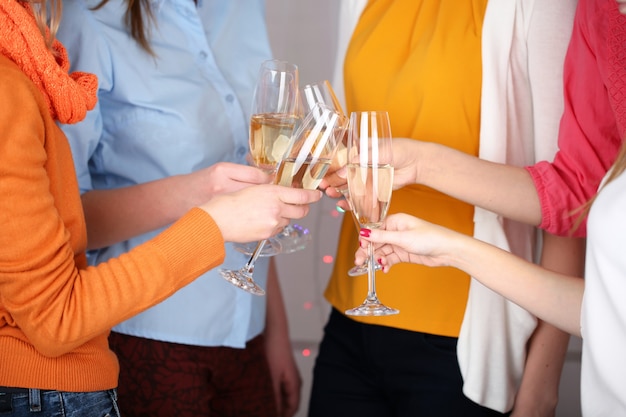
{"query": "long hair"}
[(48, 17), (619, 166), (139, 27)]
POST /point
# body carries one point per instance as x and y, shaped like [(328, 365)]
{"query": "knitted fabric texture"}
[(69, 96), (616, 38)]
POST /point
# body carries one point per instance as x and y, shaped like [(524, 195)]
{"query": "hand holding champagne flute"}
[(273, 120), (274, 116), (370, 183), (293, 237), (304, 164)]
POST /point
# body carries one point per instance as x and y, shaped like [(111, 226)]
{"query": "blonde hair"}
[(48, 17), (619, 166)]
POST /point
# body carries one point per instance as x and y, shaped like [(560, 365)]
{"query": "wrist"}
[(426, 157)]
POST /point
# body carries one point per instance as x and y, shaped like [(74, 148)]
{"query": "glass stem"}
[(344, 192), (371, 275), (249, 267)]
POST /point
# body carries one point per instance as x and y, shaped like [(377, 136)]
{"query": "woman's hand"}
[(404, 238), (220, 178), (260, 211), (406, 161)]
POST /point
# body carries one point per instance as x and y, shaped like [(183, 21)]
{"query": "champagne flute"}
[(339, 161), (322, 92), (273, 120), (356, 270), (304, 164), (294, 237), (370, 181), (274, 115)]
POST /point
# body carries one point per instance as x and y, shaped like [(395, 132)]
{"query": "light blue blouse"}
[(183, 109)]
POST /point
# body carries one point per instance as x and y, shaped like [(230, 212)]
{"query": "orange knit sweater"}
[(55, 312)]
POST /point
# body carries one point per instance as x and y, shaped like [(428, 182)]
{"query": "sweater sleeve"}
[(47, 296), (589, 137)]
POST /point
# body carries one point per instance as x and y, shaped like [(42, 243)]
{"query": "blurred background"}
[(305, 32)]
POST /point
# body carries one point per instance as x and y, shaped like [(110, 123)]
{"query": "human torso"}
[(183, 109), (429, 82), (603, 317)]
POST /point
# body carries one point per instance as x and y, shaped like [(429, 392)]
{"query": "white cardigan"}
[(523, 47)]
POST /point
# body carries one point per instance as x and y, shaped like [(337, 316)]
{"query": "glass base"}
[(357, 271), (372, 308), (293, 238), (272, 247), (242, 280)]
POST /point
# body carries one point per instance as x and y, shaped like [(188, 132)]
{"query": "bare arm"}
[(538, 393), (285, 374), (551, 296), (504, 189), (118, 214)]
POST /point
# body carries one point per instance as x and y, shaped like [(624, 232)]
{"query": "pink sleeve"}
[(593, 120)]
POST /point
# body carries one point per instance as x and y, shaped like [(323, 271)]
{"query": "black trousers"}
[(367, 370)]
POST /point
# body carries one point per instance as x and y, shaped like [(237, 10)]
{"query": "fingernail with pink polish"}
[(365, 232)]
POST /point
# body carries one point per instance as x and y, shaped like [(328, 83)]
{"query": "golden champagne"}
[(305, 174), (270, 134), (370, 193)]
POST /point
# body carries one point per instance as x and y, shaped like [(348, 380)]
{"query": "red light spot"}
[(327, 259), (306, 352)]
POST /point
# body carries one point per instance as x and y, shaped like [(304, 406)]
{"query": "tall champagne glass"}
[(304, 164), (295, 237), (340, 161), (274, 116), (356, 270), (370, 181), (310, 94)]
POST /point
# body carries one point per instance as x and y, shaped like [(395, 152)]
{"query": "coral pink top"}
[(594, 118)]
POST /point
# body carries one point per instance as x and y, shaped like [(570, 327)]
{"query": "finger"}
[(245, 173), (298, 196), (388, 261), (332, 192), (336, 179), (388, 237), (343, 206), (290, 211)]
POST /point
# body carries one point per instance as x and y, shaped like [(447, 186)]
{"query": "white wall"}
[(304, 32)]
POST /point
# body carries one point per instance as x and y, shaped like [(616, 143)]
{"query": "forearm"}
[(116, 215), (504, 189), (285, 375), (548, 345), (551, 296), (276, 324), (539, 389)]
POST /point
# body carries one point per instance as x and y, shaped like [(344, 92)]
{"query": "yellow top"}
[(421, 61)]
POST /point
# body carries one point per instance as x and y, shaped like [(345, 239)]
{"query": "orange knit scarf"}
[(69, 96)]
